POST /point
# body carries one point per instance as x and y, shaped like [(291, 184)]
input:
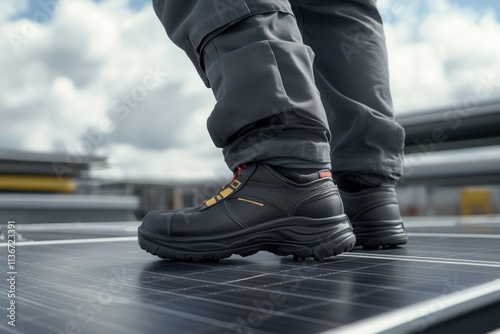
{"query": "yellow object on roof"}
[(476, 201), (32, 183)]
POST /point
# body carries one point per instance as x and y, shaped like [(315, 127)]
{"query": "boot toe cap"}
[(158, 222)]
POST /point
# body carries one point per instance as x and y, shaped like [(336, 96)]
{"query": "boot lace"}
[(237, 173)]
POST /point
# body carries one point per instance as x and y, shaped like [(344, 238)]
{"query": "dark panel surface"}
[(110, 285)]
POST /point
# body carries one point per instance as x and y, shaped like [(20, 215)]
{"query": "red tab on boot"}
[(325, 174)]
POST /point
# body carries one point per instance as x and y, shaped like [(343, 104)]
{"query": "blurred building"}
[(161, 194), (55, 187), (452, 160)]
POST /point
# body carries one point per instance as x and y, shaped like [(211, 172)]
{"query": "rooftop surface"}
[(94, 278)]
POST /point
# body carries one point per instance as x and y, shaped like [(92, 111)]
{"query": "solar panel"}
[(92, 279)]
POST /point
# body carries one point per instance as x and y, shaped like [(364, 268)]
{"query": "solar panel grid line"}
[(126, 226), (429, 260), (60, 310), (373, 286), (47, 323), (232, 305), (453, 235), (237, 287), (91, 279), (331, 279), (295, 267), (72, 241)]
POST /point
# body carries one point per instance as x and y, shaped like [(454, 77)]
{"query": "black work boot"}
[(259, 209), (374, 214)]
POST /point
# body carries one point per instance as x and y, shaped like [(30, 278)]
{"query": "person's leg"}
[(272, 127), (352, 75), (252, 56)]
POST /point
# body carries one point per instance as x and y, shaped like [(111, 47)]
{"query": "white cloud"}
[(69, 75), (11, 8), (75, 72), (444, 58)]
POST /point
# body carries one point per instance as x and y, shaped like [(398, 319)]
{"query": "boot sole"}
[(297, 236), (373, 235)]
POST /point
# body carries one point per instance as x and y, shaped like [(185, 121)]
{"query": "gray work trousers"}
[(297, 83)]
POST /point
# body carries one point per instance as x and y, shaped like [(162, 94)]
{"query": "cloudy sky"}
[(85, 76)]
